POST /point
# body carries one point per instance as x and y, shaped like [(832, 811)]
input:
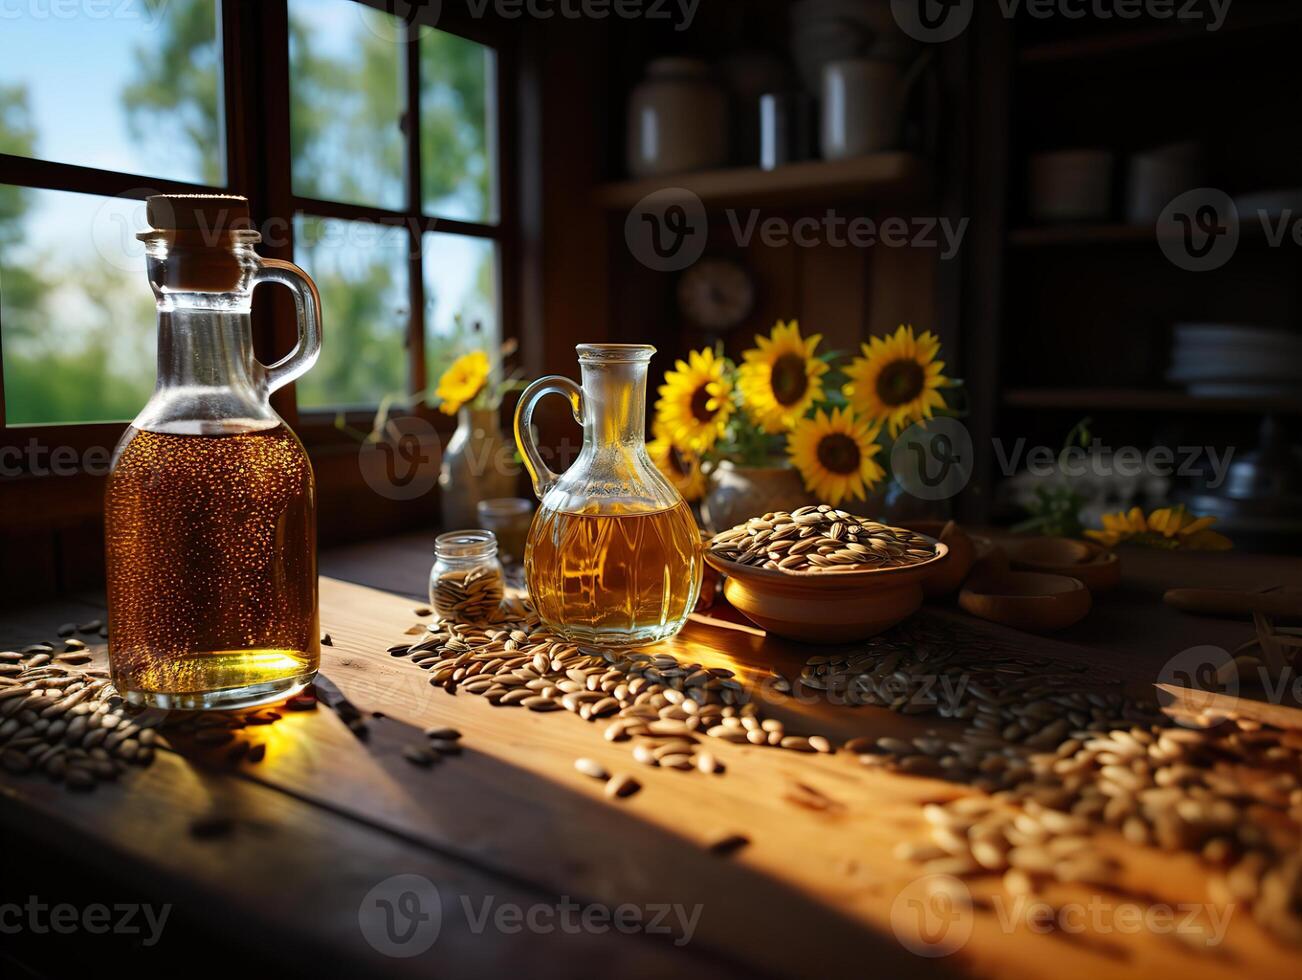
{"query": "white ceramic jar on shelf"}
[(677, 120)]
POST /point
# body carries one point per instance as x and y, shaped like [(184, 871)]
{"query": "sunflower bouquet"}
[(823, 413)]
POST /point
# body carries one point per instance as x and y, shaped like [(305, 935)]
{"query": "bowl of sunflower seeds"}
[(822, 575)]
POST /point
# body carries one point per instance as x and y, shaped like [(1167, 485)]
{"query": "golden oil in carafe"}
[(211, 550), (622, 579)]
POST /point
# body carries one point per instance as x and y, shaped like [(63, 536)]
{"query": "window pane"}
[(460, 295), (457, 113), (361, 270), (133, 86), (347, 101), (75, 307)]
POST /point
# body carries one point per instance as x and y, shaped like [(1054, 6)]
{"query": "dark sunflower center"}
[(678, 462), (700, 405), (839, 453), (790, 380), (900, 382)]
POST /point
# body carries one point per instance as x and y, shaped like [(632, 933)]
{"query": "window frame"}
[(254, 36)]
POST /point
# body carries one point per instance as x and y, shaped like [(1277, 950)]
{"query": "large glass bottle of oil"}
[(614, 554), (210, 507)]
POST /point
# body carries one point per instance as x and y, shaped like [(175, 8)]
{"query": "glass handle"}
[(307, 306), (543, 478)]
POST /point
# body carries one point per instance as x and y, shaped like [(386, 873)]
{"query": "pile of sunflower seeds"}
[(667, 709), (820, 538), (1058, 762), (65, 721), (469, 595)]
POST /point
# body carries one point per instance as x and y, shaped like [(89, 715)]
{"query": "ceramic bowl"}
[(1094, 565), (1029, 601), (826, 607), (949, 573)]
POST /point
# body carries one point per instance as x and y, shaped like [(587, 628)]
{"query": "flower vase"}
[(738, 493), (478, 464)]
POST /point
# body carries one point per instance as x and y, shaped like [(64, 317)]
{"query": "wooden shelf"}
[(811, 182), (1145, 400)]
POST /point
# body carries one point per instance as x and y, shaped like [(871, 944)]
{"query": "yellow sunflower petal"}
[(779, 380)]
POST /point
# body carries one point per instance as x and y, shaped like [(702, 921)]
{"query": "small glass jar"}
[(466, 583), (509, 518)]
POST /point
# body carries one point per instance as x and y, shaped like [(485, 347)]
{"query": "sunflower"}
[(1169, 527), (834, 453), (896, 380), (695, 402), (781, 380), (462, 381), (682, 469)]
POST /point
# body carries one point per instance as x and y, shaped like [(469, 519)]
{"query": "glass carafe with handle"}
[(614, 554), (210, 506)]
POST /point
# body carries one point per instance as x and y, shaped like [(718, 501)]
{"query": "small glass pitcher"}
[(614, 554), (210, 505)]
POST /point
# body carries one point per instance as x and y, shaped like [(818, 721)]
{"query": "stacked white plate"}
[(1232, 361)]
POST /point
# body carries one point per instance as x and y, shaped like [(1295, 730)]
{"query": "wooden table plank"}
[(303, 853), (813, 891), (295, 875)]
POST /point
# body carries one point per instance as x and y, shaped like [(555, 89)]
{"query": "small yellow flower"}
[(1169, 527), (695, 402), (681, 468), (834, 453), (781, 380), (462, 381), (896, 380)]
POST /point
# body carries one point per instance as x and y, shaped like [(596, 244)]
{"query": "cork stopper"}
[(200, 231), (213, 216)]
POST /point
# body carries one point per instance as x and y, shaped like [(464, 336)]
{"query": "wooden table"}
[(510, 829)]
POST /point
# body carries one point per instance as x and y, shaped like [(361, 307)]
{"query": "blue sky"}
[(75, 68)]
